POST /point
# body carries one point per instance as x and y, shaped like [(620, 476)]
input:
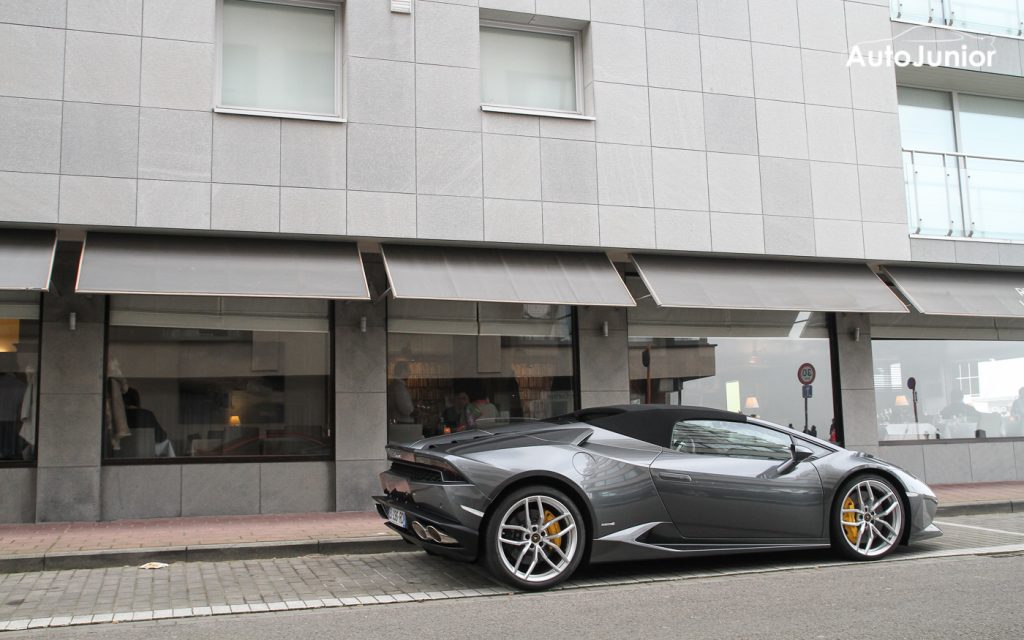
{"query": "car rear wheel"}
[(867, 519), (535, 538)]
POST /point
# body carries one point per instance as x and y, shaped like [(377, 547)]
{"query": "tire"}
[(867, 519), (544, 540)]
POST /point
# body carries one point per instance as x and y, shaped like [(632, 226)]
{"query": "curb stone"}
[(201, 553)]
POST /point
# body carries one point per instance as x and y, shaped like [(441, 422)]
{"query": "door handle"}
[(675, 477)]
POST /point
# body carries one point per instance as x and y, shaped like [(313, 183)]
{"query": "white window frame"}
[(578, 114), (339, 75)]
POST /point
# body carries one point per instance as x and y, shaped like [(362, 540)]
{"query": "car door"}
[(720, 482)]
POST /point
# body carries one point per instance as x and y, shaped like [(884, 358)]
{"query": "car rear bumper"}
[(454, 509), (465, 546)]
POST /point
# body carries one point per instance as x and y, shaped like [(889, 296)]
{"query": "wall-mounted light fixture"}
[(362, 324), (855, 334), (604, 328), (72, 321)]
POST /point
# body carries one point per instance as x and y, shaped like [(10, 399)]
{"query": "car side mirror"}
[(797, 455)]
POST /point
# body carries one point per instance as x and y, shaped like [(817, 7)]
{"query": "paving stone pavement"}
[(90, 596)]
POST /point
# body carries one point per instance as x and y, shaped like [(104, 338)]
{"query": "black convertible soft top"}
[(651, 423)]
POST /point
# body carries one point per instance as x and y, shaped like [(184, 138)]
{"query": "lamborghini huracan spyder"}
[(533, 500)]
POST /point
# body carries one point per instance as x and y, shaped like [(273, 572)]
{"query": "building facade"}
[(244, 244)]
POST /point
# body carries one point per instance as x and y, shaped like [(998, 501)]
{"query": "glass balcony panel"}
[(998, 17), (1001, 17), (918, 10), (933, 194), (996, 198)]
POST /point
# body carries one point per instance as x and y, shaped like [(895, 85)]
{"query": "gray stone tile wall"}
[(122, 93)]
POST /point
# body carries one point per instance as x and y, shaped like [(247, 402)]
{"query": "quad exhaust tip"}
[(418, 529), (432, 534)]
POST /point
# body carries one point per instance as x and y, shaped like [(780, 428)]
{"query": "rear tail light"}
[(448, 472)]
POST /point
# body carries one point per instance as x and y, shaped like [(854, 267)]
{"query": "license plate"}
[(396, 517)]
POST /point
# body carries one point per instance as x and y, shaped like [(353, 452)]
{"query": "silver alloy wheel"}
[(537, 538), (871, 518)]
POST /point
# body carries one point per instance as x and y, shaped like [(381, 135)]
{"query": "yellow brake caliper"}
[(554, 528), (851, 531)]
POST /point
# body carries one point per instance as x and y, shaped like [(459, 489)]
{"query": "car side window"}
[(730, 439)]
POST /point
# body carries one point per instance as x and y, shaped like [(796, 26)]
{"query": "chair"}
[(141, 444)]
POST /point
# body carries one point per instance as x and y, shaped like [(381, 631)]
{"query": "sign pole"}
[(805, 413), (912, 385), (649, 395)]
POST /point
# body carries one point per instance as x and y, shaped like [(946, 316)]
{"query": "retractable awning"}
[(179, 265), (26, 259), (961, 292), (716, 283), (504, 275)]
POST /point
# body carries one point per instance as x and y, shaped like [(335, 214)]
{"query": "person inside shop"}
[(480, 408), (957, 408), (452, 414), (400, 404), (1017, 408), (143, 421), (12, 393)]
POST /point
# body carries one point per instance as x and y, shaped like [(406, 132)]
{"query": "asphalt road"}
[(931, 598)]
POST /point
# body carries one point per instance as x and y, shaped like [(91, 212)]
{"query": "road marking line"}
[(968, 526)]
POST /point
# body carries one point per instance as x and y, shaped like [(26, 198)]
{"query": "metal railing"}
[(997, 17), (960, 195)]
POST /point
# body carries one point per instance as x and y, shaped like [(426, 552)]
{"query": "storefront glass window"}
[(19, 377), (741, 361), (206, 378), (964, 389), (456, 365)]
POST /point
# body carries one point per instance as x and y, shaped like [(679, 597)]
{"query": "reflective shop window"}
[(208, 378), (19, 375), (453, 366), (964, 389), (742, 361)]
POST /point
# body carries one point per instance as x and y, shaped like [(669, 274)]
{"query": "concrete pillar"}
[(361, 421), (856, 376), (71, 398), (604, 360)]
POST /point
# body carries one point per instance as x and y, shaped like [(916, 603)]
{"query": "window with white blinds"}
[(280, 57)]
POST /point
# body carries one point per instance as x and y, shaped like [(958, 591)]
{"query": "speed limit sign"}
[(806, 373)]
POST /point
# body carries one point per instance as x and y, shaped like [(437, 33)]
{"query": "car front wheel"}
[(867, 519), (535, 538)]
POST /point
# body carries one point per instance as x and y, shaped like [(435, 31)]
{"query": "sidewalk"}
[(78, 545)]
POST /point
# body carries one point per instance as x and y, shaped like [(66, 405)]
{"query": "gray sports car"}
[(533, 500)]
